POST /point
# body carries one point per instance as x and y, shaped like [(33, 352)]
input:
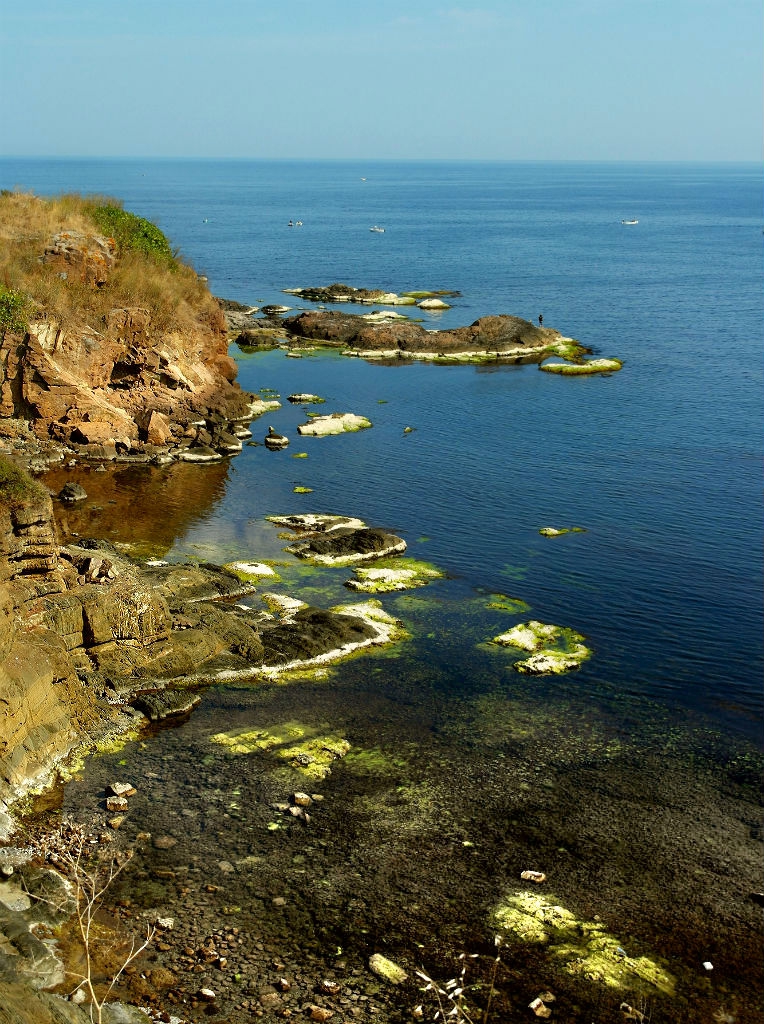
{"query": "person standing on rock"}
[(541, 319)]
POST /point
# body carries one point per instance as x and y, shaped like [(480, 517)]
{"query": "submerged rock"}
[(305, 748), (387, 969), (72, 492), (585, 948)]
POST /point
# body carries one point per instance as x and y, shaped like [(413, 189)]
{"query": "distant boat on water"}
[(629, 222), (378, 229)]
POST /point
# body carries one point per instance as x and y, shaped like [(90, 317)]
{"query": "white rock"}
[(337, 423)]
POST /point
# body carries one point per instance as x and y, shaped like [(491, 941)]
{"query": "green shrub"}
[(133, 233), (14, 309), (17, 487)]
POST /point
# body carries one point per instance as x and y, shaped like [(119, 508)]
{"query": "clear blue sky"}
[(490, 79)]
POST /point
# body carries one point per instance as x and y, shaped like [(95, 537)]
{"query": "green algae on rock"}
[(394, 574), (585, 948), (299, 489), (252, 570), (583, 368), (505, 603), (554, 531), (335, 423), (387, 969), (308, 749), (553, 649)]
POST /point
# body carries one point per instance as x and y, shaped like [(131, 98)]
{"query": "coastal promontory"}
[(109, 342)]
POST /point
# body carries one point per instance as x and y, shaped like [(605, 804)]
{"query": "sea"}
[(642, 767)]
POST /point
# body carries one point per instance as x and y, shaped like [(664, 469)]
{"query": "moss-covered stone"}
[(553, 649), (583, 368), (394, 574), (309, 749), (252, 571), (505, 603), (299, 489), (586, 948)]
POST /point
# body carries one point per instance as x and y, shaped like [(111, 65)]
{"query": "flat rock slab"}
[(345, 545), (315, 522), (313, 632), (166, 704)]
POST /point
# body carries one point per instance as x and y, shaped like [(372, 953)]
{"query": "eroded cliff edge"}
[(108, 341)]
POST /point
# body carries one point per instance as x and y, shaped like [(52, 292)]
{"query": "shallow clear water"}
[(660, 463)]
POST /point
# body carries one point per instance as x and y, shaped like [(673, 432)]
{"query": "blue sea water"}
[(661, 463)]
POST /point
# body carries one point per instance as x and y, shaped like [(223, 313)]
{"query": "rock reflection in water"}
[(146, 505)]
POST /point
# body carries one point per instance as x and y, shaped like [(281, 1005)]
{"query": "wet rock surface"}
[(345, 545)]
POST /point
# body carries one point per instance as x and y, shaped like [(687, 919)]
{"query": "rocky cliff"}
[(108, 343)]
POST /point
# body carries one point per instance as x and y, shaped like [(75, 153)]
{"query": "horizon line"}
[(378, 159)]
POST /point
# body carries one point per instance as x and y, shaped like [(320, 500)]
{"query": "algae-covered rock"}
[(553, 649), (309, 749), (306, 399), (252, 570), (387, 969), (585, 948), (554, 531), (315, 522), (336, 423), (395, 574), (583, 368)]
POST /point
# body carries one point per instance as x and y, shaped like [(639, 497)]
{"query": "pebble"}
[(533, 876)]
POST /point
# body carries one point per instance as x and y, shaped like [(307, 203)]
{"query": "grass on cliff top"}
[(17, 488), (147, 273)]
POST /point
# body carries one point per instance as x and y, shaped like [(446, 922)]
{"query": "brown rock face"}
[(42, 705), (84, 258), (119, 378)]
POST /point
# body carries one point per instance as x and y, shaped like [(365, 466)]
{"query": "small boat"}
[(629, 222), (381, 231)]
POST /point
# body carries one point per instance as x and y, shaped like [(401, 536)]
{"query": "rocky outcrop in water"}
[(498, 335)]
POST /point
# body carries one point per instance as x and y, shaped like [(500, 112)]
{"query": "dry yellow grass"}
[(169, 289)]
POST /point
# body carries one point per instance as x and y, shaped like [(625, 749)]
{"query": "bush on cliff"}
[(133, 233), (17, 488), (146, 273), (14, 310)]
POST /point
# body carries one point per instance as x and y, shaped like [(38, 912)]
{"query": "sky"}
[(407, 79)]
